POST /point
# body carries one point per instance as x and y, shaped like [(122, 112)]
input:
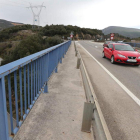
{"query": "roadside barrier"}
[(133, 44), (92, 111), (21, 83)]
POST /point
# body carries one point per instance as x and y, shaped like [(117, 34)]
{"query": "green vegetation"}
[(21, 32), (62, 30), (19, 41), (28, 46), (8, 33)]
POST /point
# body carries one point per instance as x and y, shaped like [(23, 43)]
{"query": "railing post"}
[(46, 88), (60, 54), (10, 105), (21, 100), (63, 50), (3, 112), (16, 99), (57, 61), (47, 74), (61, 61), (56, 70)]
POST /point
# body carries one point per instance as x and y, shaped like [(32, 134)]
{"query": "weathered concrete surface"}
[(58, 114)]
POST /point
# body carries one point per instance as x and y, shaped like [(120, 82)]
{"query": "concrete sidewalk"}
[(58, 114)]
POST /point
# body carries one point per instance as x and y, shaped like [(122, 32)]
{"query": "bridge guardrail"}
[(21, 83), (101, 126), (133, 44)]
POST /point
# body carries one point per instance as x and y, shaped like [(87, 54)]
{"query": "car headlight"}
[(121, 55), (139, 57)]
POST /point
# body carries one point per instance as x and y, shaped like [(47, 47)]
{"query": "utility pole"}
[(36, 19)]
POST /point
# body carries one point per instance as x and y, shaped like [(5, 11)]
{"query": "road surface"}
[(113, 85)]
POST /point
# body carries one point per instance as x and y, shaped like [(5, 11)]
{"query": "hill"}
[(127, 32), (16, 33), (19, 41), (63, 30), (6, 24)]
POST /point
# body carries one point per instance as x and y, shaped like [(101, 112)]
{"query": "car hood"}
[(129, 53)]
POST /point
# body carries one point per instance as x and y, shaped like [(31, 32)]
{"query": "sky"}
[(97, 14)]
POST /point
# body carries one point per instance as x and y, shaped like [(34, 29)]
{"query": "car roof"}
[(109, 41), (118, 43)]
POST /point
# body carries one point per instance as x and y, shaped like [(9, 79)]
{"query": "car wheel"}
[(137, 65), (103, 55), (112, 60)]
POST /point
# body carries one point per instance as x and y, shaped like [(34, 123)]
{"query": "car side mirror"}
[(110, 49), (136, 50)]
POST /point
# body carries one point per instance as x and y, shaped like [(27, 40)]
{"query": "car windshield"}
[(109, 41), (124, 48)]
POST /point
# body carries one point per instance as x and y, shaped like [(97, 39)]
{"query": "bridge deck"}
[(58, 114)]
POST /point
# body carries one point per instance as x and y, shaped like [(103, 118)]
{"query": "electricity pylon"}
[(36, 19)]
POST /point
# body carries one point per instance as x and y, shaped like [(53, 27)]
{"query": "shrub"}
[(31, 45)]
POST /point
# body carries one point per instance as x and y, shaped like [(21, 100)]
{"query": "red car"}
[(107, 43), (121, 53)]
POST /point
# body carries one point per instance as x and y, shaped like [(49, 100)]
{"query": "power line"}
[(36, 17), (12, 5), (16, 3), (24, 1)]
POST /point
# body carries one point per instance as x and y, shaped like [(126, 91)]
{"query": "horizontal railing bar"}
[(13, 66)]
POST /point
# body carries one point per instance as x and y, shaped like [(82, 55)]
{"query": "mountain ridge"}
[(124, 31), (6, 24)]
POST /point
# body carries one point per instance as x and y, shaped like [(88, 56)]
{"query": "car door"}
[(106, 50), (110, 52)]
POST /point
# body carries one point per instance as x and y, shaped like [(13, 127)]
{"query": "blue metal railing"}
[(21, 83)]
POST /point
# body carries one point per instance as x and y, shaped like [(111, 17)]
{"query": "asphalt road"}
[(121, 112)]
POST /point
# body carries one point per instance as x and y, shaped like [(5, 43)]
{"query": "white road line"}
[(117, 81), (96, 46)]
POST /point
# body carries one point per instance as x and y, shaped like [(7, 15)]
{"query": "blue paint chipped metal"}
[(26, 79)]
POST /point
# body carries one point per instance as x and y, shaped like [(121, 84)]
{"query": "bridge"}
[(43, 98)]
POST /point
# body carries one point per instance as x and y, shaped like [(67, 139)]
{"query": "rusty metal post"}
[(74, 46), (87, 117), (78, 63), (76, 52)]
